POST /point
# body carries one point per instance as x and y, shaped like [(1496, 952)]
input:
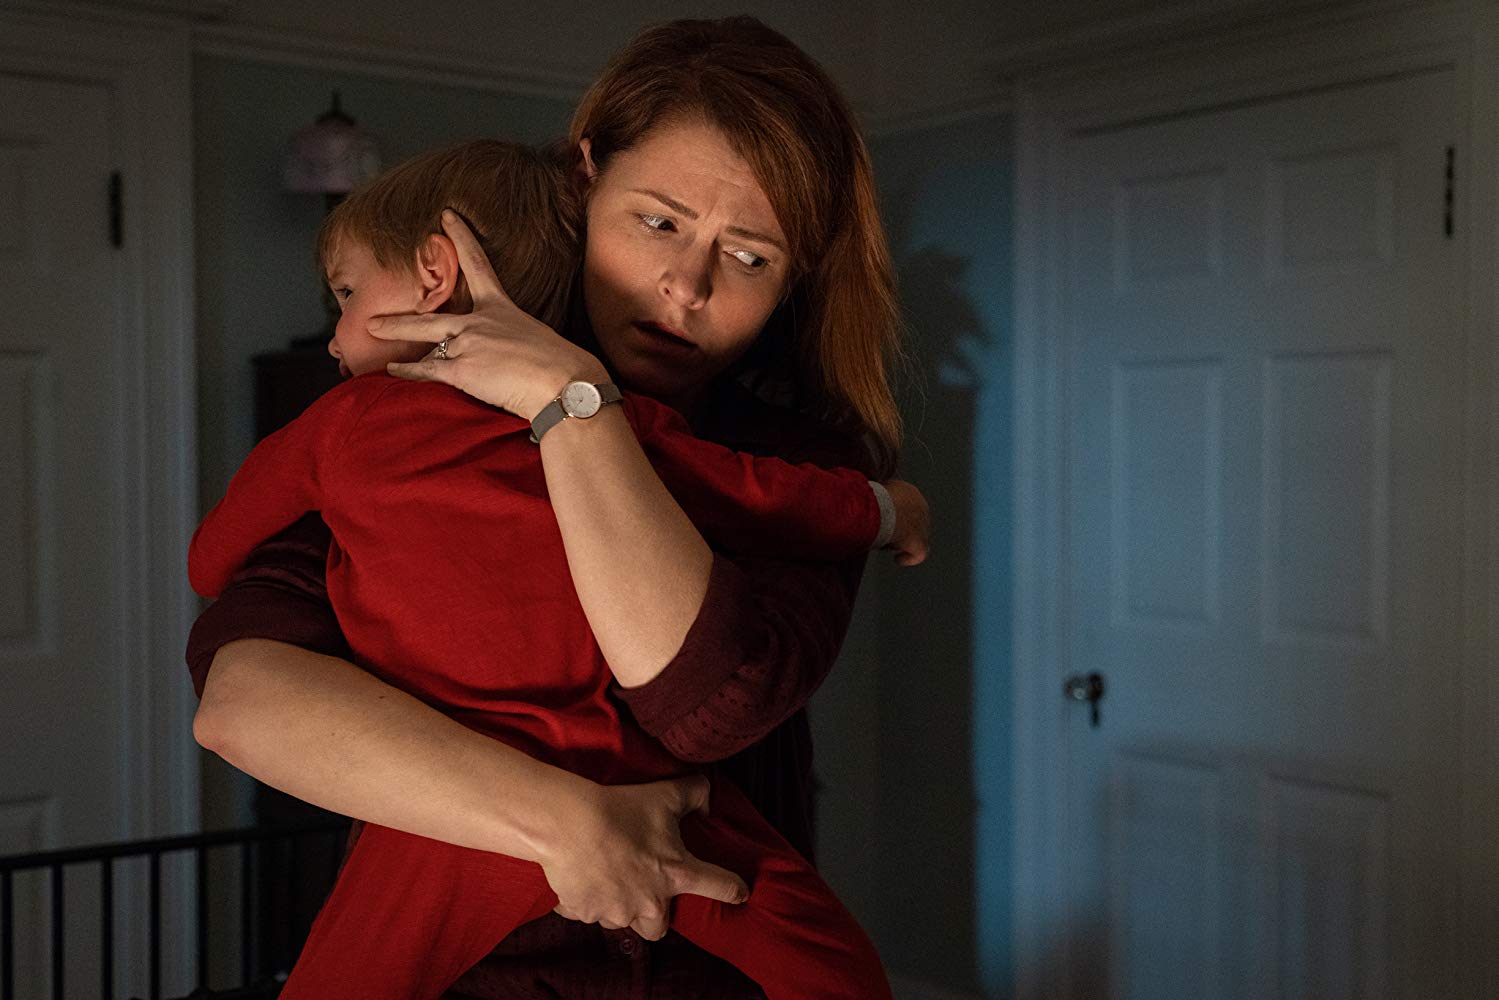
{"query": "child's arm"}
[(766, 506), (285, 477)]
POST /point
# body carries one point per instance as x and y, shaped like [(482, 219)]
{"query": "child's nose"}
[(333, 348)]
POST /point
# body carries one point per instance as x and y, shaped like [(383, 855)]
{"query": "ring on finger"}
[(442, 349)]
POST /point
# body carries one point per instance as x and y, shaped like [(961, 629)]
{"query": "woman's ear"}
[(441, 277), (587, 169)]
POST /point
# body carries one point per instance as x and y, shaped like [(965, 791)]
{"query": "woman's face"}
[(684, 262)]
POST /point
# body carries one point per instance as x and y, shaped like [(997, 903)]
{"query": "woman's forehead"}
[(693, 165)]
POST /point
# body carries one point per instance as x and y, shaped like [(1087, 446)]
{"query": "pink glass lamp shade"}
[(333, 156)]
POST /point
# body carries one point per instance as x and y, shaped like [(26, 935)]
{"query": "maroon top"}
[(765, 638)]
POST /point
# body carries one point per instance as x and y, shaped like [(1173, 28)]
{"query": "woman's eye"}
[(659, 223), (753, 261)]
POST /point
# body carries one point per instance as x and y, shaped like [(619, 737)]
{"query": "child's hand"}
[(913, 523)]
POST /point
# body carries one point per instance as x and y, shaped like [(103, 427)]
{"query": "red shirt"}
[(766, 635)]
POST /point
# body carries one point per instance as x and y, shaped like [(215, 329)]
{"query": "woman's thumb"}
[(703, 879), (694, 792)]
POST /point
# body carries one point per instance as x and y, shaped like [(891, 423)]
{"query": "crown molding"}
[(210, 34), (136, 15), (1181, 21), (425, 65)]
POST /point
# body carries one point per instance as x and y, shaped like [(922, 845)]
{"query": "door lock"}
[(1089, 689)]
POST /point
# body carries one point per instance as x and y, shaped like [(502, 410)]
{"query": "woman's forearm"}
[(639, 566), (327, 732)]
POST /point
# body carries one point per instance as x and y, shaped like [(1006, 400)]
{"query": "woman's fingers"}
[(483, 283), (433, 328), (428, 369), (651, 930), (630, 861), (695, 875), (694, 791)]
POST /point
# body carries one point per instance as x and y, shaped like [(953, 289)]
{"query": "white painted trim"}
[(1038, 911), (146, 71), (1100, 39), (384, 61), (1253, 60), (209, 34)]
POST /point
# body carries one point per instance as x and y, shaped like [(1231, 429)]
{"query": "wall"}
[(935, 777), (257, 286)]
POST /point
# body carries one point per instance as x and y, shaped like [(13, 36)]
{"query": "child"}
[(449, 578)]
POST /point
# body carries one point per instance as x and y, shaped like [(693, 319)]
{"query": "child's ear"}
[(441, 277)]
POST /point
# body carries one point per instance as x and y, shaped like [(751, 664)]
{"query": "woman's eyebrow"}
[(740, 231), (671, 203)]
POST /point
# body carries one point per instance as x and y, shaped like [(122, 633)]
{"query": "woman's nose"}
[(688, 280)]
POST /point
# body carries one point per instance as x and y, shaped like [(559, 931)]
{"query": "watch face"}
[(581, 399)]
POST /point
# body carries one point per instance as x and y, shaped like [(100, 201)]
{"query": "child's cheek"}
[(410, 351)]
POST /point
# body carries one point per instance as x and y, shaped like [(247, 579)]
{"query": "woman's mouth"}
[(663, 335)]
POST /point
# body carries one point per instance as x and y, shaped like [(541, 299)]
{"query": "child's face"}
[(365, 290)]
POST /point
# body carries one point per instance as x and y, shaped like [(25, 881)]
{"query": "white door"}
[(1264, 399), (63, 731)]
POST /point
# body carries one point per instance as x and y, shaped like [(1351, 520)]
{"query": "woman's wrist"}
[(566, 805), (549, 386)]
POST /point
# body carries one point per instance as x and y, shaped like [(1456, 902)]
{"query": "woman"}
[(732, 239)]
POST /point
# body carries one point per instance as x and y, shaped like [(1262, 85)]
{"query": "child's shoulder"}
[(378, 393), (372, 386)]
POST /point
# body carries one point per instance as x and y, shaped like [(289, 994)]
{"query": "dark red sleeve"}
[(280, 593), (764, 640)]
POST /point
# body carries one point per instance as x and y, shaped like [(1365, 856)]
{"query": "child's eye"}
[(659, 223), (342, 294)]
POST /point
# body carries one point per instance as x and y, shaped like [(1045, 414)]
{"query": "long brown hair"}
[(517, 200), (837, 336)]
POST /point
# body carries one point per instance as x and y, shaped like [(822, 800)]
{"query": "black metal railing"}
[(274, 865)]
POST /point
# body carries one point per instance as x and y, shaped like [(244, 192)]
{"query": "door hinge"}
[(116, 209), (1451, 189)]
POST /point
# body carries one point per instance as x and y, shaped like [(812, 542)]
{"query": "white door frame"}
[(146, 71), (1299, 51)]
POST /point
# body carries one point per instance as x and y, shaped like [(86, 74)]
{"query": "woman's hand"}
[(913, 523), (623, 861), (496, 353)]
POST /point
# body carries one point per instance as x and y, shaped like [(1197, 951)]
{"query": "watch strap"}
[(553, 414), (887, 515)]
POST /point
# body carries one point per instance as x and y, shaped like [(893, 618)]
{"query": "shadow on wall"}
[(927, 846)]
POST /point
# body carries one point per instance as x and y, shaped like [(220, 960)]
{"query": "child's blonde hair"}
[(517, 201)]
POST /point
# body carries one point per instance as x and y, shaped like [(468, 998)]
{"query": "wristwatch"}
[(577, 399)]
